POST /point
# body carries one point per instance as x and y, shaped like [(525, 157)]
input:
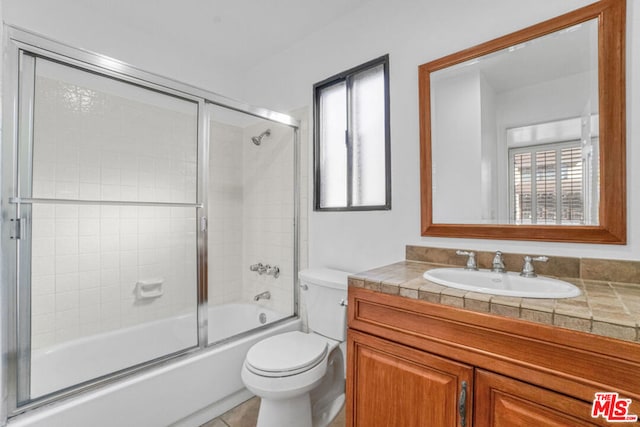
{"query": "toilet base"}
[(292, 412)]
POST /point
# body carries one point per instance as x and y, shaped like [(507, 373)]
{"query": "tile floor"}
[(246, 415)]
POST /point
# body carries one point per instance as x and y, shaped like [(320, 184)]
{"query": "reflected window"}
[(352, 163), (547, 185), (554, 172)]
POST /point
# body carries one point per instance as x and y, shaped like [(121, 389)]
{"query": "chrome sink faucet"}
[(472, 264), (497, 266), (527, 268)]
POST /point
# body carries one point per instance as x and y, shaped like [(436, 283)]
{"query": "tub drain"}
[(263, 318)]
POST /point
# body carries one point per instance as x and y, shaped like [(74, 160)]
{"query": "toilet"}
[(299, 376)]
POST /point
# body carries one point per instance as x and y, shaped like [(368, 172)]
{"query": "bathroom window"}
[(547, 184), (351, 139)]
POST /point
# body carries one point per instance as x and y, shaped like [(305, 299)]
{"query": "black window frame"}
[(347, 78)]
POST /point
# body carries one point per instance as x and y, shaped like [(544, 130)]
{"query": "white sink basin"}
[(508, 284)]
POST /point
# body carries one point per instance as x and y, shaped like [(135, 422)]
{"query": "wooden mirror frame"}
[(612, 228)]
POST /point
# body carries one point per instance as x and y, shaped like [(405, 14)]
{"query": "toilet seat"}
[(286, 354)]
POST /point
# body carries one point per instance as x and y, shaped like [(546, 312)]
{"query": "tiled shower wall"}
[(86, 259), (225, 213), (268, 214), (251, 208)]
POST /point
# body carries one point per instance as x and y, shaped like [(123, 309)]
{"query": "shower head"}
[(258, 139)]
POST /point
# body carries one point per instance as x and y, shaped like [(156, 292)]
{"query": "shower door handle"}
[(17, 231)]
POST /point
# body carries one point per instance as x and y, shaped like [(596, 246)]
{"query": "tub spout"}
[(262, 295)]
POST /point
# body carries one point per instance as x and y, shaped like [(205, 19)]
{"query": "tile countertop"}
[(605, 308)]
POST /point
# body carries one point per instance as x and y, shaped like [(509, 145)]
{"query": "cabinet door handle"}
[(462, 405)]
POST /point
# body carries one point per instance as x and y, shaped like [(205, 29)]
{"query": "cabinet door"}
[(392, 385), (504, 402)]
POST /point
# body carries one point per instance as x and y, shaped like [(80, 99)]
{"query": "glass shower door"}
[(252, 234), (107, 200)]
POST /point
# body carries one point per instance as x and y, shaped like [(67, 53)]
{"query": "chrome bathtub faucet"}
[(273, 270), (259, 268), (267, 269), (262, 295)]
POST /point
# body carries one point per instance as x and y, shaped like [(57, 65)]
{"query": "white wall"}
[(82, 24), (414, 32), (457, 120), (562, 98), (490, 196)]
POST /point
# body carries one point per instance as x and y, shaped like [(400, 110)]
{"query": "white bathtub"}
[(232, 319), (185, 392)]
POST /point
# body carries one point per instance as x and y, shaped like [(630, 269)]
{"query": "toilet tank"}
[(324, 294)]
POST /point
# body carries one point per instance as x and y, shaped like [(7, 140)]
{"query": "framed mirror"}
[(523, 137)]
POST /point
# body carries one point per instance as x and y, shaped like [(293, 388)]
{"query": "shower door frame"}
[(14, 289)]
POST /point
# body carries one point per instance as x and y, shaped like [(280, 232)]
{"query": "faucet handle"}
[(273, 271), (527, 268), (471, 261), (260, 268)]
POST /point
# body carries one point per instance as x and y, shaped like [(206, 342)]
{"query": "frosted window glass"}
[(352, 139), (368, 132), (333, 151)]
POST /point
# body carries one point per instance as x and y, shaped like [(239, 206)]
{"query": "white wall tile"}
[(88, 244), (67, 282), (87, 259), (67, 301), (66, 228), (66, 246), (66, 264), (89, 191), (89, 279), (42, 304), (42, 323), (89, 262), (43, 247)]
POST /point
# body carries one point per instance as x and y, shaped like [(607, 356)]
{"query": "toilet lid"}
[(286, 354)]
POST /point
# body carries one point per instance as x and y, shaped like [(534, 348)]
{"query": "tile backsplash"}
[(618, 271)]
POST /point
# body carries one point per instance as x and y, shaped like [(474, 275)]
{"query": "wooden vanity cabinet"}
[(395, 385), (505, 402), (409, 362)]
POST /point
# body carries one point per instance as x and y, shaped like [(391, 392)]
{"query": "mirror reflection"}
[(515, 137)]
